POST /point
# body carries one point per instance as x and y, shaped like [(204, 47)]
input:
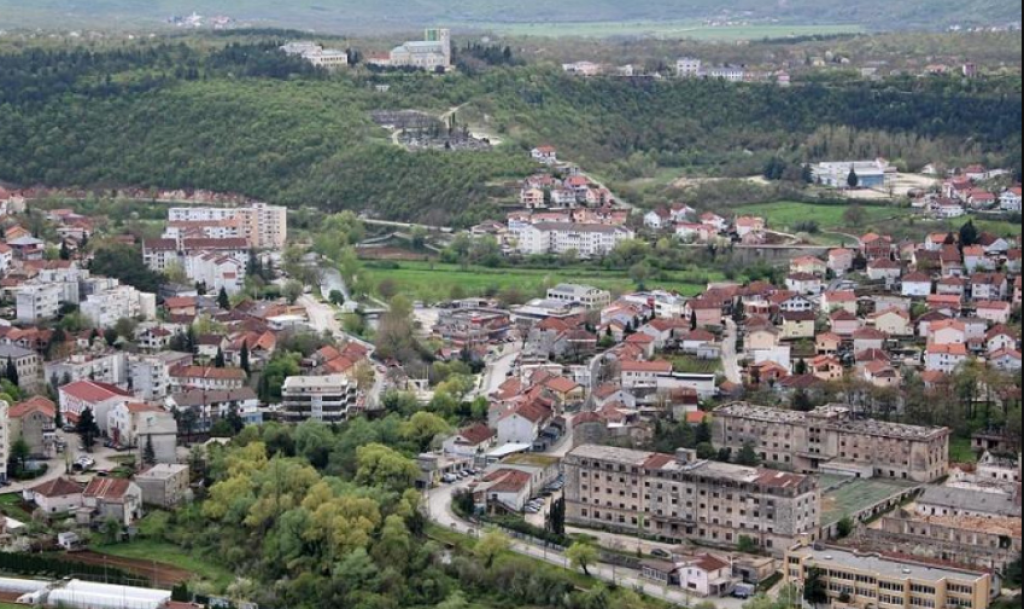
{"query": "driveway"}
[(730, 356)]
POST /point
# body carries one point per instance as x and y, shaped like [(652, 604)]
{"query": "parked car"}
[(659, 553)]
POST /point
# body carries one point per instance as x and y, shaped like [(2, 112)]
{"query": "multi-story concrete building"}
[(588, 296), (164, 485), (870, 580), (679, 498), (472, 327), (109, 368), (832, 437), (104, 309), (5, 437), (689, 67), (431, 53), (587, 240), (38, 302), (28, 363), (206, 378), (328, 399), (150, 375), (264, 226)]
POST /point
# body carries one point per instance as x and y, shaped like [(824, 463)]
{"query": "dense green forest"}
[(245, 118), (381, 15)]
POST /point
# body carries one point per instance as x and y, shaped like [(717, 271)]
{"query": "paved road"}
[(498, 370), (730, 356), (438, 505), (58, 465)]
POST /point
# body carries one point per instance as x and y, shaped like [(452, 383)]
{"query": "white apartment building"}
[(216, 271), (38, 302), (109, 368), (587, 240), (150, 375), (689, 67), (728, 74), (265, 226), (104, 309), (327, 399), (588, 296)]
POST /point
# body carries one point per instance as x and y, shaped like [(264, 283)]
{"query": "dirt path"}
[(162, 575)]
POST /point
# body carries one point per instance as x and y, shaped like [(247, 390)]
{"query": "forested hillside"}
[(248, 119), (396, 14)]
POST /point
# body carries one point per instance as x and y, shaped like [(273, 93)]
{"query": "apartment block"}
[(111, 368), (588, 296), (679, 498), (831, 438), (328, 399), (37, 303), (871, 580), (28, 363), (104, 309), (265, 226), (587, 240), (150, 375)]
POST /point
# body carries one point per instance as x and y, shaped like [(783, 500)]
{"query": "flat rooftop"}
[(842, 497), (833, 417), (623, 456), (885, 567)]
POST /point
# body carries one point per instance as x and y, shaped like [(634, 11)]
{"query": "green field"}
[(687, 364), (10, 505), (433, 282), (167, 553), (667, 30), (897, 221)]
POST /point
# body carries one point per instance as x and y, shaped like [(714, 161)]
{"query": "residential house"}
[(976, 259), (881, 374), (828, 343), (746, 225), (705, 576), (875, 247), (952, 261), (643, 375), (917, 285), (805, 283), (948, 332), (826, 368), (141, 427), (471, 441), (894, 322), (999, 338), (547, 155), (841, 260), (839, 301), (504, 491), (165, 485), (798, 326), (945, 358), (1006, 360), (58, 496), (867, 339), (524, 423), (844, 323), (113, 499), (33, 421), (763, 338), (809, 265), (997, 312), (989, 286), (885, 270), (948, 305), (952, 286), (1010, 200), (207, 378), (100, 398)]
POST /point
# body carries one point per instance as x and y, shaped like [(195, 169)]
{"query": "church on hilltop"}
[(432, 53)]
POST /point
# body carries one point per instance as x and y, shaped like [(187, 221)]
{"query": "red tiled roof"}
[(93, 392), (36, 404), (476, 435), (658, 366), (61, 487)]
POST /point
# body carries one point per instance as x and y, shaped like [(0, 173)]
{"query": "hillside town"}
[(759, 431)]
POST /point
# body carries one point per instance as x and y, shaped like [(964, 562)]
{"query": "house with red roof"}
[(997, 312), (1010, 200), (58, 496), (113, 499), (1006, 360), (524, 423), (841, 260), (469, 442), (504, 490), (100, 398), (917, 285), (705, 576), (547, 155), (844, 323), (842, 300), (1001, 337), (184, 378), (34, 422), (946, 358)]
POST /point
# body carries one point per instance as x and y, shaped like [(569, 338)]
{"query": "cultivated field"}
[(667, 30)]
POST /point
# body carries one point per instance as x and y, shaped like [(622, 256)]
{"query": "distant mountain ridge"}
[(389, 15)]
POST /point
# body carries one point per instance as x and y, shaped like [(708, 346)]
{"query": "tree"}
[(816, 588), (853, 180), (149, 452), (125, 263), (582, 556), (969, 234), (223, 300), (20, 453), (111, 336), (243, 358), (556, 518), (65, 251), (801, 367), (855, 216), (748, 545), (845, 527), (493, 544), (337, 298), (87, 429), (293, 291), (11, 374), (220, 361), (748, 456)]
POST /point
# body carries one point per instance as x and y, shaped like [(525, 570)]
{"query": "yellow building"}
[(870, 580)]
